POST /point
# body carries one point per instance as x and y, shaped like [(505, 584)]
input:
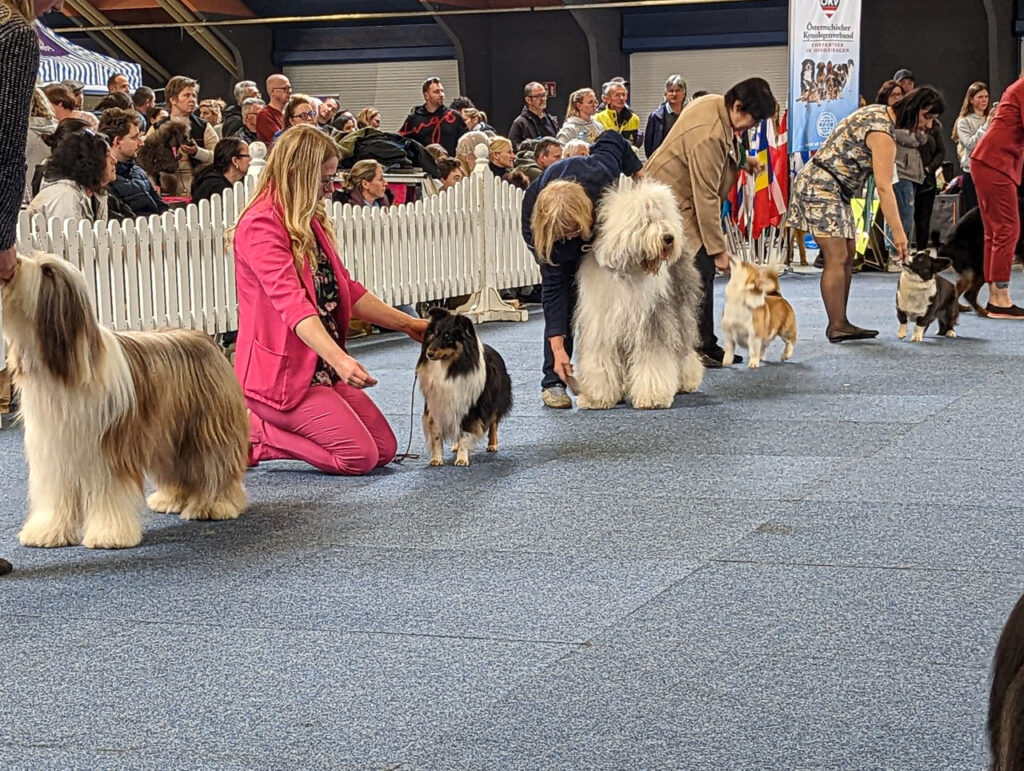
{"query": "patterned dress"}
[(326, 303), (816, 203)]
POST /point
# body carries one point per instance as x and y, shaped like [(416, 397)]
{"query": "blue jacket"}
[(610, 156), (654, 133), (133, 187)]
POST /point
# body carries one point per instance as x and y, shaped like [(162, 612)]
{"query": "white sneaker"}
[(556, 398)]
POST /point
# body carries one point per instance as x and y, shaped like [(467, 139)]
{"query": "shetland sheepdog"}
[(755, 313), (465, 385)]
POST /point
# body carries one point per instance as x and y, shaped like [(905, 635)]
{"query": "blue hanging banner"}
[(824, 68)]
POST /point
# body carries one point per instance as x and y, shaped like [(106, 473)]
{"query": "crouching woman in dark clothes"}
[(558, 221)]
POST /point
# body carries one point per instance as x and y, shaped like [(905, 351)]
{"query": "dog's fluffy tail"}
[(1006, 700)]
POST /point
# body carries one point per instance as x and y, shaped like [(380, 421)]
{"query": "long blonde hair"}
[(576, 99), (23, 7), (966, 109), (291, 179), (563, 209)]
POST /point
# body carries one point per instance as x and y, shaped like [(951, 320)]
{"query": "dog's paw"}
[(123, 534), (47, 535), (918, 335), (651, 404), (588, 403), (218, 510), (462, 461), (754, 364), (165, 502), (437, 461), (951, 333), (901, 332), (492, 448)]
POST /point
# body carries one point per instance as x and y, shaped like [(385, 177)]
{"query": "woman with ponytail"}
[(295, 300)]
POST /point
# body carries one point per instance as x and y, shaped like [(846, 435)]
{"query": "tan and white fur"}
[(635, 325), (447, 402), (102, 409), (755, 313)]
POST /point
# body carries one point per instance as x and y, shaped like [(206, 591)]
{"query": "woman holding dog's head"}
[(558, 221), (862, 144), (295, 301), (76, 178)]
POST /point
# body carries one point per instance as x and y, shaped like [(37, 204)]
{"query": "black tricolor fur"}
[(451, 340), (965, 247), (1006, 700), (942, 297)]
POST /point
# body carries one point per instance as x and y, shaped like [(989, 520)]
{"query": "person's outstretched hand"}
[(417, 328), (354, 374)]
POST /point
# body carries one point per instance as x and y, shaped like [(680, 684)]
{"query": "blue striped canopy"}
[(60, 59)]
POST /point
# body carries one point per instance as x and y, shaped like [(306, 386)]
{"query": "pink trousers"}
[(336, 428), (997, 197)]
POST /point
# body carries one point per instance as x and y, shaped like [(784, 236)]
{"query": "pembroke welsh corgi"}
[(924, 296), (755, 313), (465, 385)]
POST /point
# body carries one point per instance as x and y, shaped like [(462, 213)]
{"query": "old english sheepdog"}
[(635, 326)]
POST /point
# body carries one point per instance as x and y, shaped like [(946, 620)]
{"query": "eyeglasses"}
[(281, 88), (538, 96), (325, 181), (304, 115)]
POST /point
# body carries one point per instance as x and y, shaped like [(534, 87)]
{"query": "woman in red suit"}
[(996, 171), (295, 299)]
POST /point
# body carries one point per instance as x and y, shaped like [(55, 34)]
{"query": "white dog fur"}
[(635, 325), (101, 409)]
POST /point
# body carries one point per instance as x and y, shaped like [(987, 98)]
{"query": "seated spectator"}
[(118, 83), (369, 117), (460, 103), (230, 165), (243, 90), (117, 99), (579, 122), (64, 128), (476, 120), (364, 185), (77, 89), (436, 151), (75, 180), (90, 120), (144, 99), (501, 160), (271, 117), (326, 111), (541, 154), (157, 115), (432, 121), (299, 111), (250, 109), (575, 148), (131, 185), (464, 150), (61, 100), (41, 124), (210, 111), (451, 172), (346, 123)]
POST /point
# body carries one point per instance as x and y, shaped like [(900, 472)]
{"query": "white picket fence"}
[(178, 270)]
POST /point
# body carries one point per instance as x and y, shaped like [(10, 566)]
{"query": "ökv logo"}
[(829, 7)]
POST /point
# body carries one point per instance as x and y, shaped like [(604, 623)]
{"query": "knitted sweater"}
[(19, 51)]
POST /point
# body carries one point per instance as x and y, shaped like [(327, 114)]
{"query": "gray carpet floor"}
[(801, 567)]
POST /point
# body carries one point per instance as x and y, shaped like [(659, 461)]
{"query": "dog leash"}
[(397, 460)]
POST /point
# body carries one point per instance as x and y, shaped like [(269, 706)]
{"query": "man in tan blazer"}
[(699, 159)]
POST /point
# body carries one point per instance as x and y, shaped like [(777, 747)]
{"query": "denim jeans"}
[(905, 192)]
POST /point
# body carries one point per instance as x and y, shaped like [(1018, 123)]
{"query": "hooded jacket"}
[(610, 156), (625, 122), (36, 150), (576, 127), (133, 187), (67, 200), (443, 127)]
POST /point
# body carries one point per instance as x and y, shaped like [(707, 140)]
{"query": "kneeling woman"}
[(558, 219), (295, 299)]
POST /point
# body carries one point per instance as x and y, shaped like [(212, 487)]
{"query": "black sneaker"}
[(712, 357), (5, 567), (998, 312)]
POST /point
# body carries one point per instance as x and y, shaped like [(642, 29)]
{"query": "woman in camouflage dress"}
[(861, 144)]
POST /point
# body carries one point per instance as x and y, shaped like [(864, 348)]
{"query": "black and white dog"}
[(925, 296), (465, 385)]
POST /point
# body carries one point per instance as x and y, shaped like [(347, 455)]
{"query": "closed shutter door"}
[(714, 70), (394, 88)]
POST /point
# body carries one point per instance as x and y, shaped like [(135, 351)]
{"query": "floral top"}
[(326, 284)]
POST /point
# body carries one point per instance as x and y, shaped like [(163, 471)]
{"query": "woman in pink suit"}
[(295, 299)]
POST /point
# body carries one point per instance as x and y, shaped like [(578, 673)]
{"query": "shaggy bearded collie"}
[(466, 388), (101, 409)]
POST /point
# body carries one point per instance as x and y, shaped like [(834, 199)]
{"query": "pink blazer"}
[(273, 365)]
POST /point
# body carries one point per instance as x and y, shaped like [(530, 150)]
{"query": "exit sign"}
[(552, 88)]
